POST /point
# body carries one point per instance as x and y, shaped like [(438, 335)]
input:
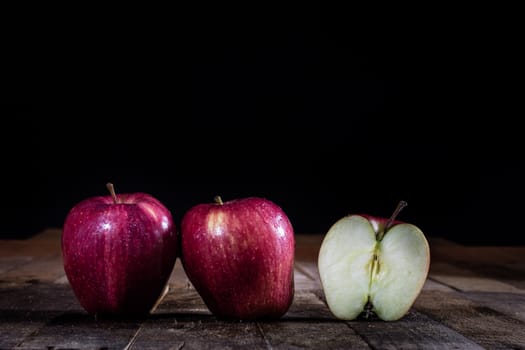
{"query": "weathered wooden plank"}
[(310, 335), (172, 332), (65, 325), (308, 306), (39, 270), (435, 285), (309, 268), (43, 244), (78, 330), (507, 273), (9, 262), (15, 326), (178, 278), (502, 263), (182, 301), (481, 324), (469, 281), (168, 333), (413, 331), (25, 309), (186, 300), (488, 255), (38, 297), (183, 319), (490, 312), (62, 280), (303, 281), (52, 234), (159, 333), (512, 305), (307, 247)]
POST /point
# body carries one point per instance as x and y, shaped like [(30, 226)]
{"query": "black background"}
[(324, 111)]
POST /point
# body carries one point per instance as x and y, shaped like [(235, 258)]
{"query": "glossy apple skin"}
[(240, 257), (118, 257), (379, 223)]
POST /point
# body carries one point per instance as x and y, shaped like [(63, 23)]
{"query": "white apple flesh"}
[(362, 267)]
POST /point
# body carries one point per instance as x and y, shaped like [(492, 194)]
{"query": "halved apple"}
[(373, 264)]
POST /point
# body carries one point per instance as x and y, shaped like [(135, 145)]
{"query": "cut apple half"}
[(363, 269)]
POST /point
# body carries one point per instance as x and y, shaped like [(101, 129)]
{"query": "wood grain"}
[(311, 335), (481, 324), (26, 309), (77, 330), (473, 298), (10, 262), (197, 333), (42, 269), (469, 280), (413, 331)]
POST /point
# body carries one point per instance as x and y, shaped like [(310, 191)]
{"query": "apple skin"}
[(356, 266), (379, 223), (239, 256), (118, 256)]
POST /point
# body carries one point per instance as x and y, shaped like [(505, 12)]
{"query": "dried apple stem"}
[(111, 190), (390, 221), (218, 200)]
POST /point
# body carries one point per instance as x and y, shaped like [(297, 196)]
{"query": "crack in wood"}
[(444, 284), (133, 338), (305, 272), (266, 341)]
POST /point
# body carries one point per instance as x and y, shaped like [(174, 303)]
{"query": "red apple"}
[(119, 252), (239, 255)]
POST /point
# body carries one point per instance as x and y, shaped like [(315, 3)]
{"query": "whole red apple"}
[(239, 255), (119, 252)]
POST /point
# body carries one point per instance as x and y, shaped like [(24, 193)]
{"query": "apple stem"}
[(218, 200), (390, 221), (111, 190)]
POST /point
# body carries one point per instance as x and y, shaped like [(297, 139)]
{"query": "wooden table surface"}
[(473, 298)]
